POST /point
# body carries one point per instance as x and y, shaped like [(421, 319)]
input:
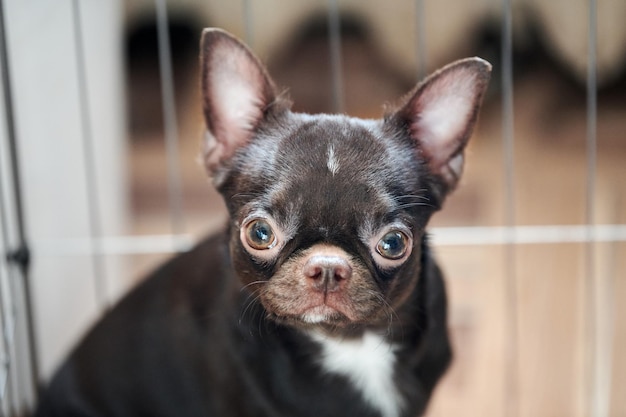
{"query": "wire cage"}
[(98, 181)]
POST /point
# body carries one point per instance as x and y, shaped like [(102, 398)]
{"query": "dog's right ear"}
[(236, 92)]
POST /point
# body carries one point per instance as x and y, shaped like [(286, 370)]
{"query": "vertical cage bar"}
[(507, 114), (511, 331), (170, 122), (591, 330), (247, 23), (598, 346), (6, 306), (19, 258), (334, 38), (592, 111), (95, 217), (420, 44)]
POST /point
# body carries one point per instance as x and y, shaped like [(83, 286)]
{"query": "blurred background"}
[(100, 126)]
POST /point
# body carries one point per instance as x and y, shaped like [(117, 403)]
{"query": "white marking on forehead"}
[(333, 162), (368, 363)]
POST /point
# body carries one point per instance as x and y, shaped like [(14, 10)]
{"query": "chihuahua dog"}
[(322, 297)]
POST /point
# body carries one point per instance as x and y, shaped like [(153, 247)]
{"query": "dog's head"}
[(328, 212)]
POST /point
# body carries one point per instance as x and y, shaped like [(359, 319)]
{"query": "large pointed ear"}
[(236, 92), (440, 115)]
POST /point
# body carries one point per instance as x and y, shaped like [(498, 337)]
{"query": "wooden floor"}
[(522, 342)]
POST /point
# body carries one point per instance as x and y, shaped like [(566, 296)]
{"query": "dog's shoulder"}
[(180, 286), (147, 343)]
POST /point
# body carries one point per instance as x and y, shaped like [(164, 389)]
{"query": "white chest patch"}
[(369, 365)]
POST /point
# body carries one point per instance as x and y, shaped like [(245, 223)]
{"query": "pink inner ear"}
[(444, 114), (236, 92), (236, 86)]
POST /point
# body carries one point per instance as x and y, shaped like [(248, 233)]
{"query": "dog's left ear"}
[(440, 115)]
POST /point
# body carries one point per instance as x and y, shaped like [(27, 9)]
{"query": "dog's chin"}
[(327, 318), (322, 314), (319, 316)]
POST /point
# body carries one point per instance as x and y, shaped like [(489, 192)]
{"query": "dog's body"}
[(184, 345), (321, 298)]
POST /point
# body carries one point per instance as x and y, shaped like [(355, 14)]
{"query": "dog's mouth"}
[(321, 315), (297, 302), (321, 312)]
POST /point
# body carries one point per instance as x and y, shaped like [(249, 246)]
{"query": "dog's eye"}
[(259, 234), (393, 245)]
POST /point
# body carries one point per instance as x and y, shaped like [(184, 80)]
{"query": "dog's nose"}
[(327, 272)]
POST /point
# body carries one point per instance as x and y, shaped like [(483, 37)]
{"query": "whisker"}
[(389, 311), (246, 195), (409, 205), (245, 287), (408, 196), (412, 200), (250, 302)]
